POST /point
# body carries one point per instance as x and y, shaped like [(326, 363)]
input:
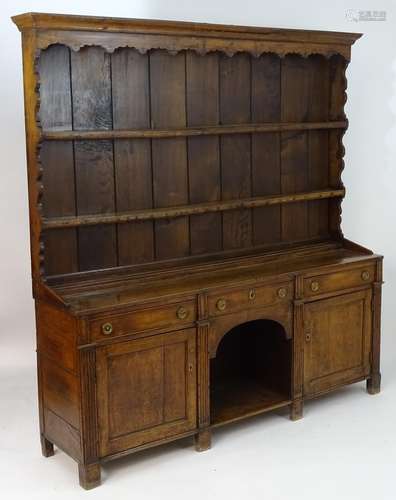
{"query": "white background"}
[(345, 447)]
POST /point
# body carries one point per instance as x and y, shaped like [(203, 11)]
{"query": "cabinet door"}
[(146, 390), (337, 341)]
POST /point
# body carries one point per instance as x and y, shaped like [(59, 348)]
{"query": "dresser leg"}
[(203, 440), (89, 475), (296, 410), (374, 383), (47, 448)]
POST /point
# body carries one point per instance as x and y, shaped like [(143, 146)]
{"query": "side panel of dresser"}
[(58, 380)]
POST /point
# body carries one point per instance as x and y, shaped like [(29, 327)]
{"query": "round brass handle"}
[(107, 328), (252, 294), (314, 286), (221, 304), (182, 312), (365, 275), (282, 292)]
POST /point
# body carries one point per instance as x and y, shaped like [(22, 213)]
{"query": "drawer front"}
[(243, 298), (171, 315), (340, 280)]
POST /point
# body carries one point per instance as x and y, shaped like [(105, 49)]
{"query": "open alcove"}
[(251, 372)]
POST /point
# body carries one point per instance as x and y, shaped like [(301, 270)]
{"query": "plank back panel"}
[(93, 90), (294, 146), (132, 158), (202, 89), (170, 183), (90, 68), (318, 144), (266, 179), (235, 107), (57, 159)]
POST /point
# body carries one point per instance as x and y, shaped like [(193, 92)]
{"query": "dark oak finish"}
[(133, 176), (55, 112), (189, 268), (52, 135)]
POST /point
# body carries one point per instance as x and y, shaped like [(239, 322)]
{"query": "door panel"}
[(337, 341), (146, 390), (138, 374)]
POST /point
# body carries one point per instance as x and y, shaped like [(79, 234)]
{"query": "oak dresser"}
[(188, 265)]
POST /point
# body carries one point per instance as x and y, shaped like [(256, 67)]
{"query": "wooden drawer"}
[(255, 296), (340, 280), (154, 317)]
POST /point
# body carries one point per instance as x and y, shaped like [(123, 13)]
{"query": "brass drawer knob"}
[(182, 312), (314, 286), (282, 292), (107, 328), (252, 294), (365, 275), (221, 304)]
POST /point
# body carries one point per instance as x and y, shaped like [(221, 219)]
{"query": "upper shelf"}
[(61, 135)]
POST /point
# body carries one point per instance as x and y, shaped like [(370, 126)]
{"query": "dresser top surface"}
[(31, 20), (91, 297)]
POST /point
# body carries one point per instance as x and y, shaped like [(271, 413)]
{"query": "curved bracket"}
[(220, 327)]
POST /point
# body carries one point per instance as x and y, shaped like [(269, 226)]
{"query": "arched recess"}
[(251, 370), (225, 327)]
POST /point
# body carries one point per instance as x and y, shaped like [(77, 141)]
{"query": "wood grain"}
[(60, 247), (202, 88), (94, 160), (170, 183), (294, 145), (132, 158), (147, 390), (266, 107), (178, 28), (182, 210), (142, 133), (235, 107), (341, 321), (318, 145)]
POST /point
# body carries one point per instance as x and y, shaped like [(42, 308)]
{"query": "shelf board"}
[(185, 210), (62, 135), (239, 399)]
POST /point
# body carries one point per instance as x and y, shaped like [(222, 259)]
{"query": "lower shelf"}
[(237, 399)]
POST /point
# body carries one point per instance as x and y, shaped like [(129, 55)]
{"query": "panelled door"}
[(146, 390), (337, 341)]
